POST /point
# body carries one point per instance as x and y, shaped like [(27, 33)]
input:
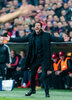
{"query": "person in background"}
[(69, 54), (64, 68), (57, 84), (21, 33), (19, 70), (12, 67), (5, 58)]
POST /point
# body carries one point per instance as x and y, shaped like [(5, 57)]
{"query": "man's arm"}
[(59, 39), (20, 39), (25, 10), (13, 65), (56, 39), (9, 16)]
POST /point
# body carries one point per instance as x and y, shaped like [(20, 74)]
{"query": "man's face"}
[(41, 2), (12, 54), (55, 60), (71, 34), (65, 36), (21, 33), (59, 25), (55, 24), (63, 12), (49, 24), (62, 57), (46, 6), (65, 5), (15, 2), (37, 18), (37, 27), (71, 24), (56, 34), (7, 25), (22, 54)]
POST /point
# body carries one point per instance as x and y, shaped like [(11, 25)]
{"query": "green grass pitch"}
[(19, 94)]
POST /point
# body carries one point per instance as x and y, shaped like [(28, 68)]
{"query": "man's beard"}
[(38, 31)]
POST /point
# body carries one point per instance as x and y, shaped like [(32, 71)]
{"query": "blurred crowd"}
[(55, 16)]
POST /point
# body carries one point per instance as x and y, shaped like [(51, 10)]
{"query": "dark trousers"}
[(26, 76), (22, 76), (58, 81), (70, 81), (17, 77), (3, 71), (51, 81), (66, 80), (36, 64), (10, 73), (39, 82)]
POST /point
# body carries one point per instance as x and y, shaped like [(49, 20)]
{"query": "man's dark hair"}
[(14, 51), (39, 23)]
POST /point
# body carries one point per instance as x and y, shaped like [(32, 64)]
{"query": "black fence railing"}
[(68, 42), (55, 46)]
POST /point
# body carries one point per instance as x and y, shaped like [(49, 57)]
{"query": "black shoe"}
[(30, 93), (47, 95)]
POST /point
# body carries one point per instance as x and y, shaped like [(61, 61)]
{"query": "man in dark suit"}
[(38, 54), (5, 58)]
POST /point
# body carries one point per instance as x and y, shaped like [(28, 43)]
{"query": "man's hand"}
[(27, 10), (39, 70), (49, 72), (70, 75), (24, 10), (66, 39), (8, 65), (6, 38), (57, 72), (18, 68)]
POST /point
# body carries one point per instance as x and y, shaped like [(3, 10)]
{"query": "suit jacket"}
[(46, 39)]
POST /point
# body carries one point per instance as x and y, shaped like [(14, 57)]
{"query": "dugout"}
[(55, 46)]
